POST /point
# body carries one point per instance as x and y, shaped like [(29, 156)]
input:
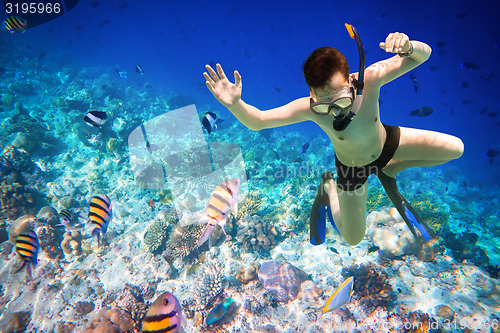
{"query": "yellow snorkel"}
[(341, 122)]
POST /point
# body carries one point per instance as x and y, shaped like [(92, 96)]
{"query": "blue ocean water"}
[(267, 42)]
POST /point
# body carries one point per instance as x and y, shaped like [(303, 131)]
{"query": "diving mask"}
[(340, 103)]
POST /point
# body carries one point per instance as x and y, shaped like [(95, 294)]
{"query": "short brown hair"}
[(322, 64)]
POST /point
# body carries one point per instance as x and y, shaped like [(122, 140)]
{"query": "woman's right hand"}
[(227, 93)]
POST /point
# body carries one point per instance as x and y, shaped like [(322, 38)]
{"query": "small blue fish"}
[(139, 70), (218, 312), (27, 246), (305, 146), (424, 111), (123, 74)]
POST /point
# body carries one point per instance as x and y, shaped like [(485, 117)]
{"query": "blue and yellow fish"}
[(340, 296), (223, 199), (218, 312), (15, 24), (100, 213), (164, 315), (27, 246)]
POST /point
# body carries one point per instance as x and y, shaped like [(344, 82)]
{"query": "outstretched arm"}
[(387, 70), (229, 95)]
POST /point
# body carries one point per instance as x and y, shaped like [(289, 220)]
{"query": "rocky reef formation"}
[(248, 273), (110, 319), (281, 279), (19, 177)]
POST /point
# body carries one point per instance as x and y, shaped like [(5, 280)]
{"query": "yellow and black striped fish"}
[(27, 246), (164, 316), (15, 24), (99, 215), (223, 199)]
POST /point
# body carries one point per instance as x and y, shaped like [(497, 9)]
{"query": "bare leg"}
[(423, 148), (351, 218)]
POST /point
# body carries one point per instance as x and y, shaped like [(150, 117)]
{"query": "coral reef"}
[(156, 237), (464, 247), (390, 233), (208, 285), (376, 291), (256, 304), (183, 241), (281, 279), (445, 312), (50, 238), (72, 242), (250, 205), (84, 308), (33, 134), (309, 290), (17, 174), (255, 233), (131, 298), (417, 322), (110, 319), (248, 273), (20, 225), (376, 199), (15, 322)]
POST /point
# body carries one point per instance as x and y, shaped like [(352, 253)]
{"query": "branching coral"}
[(251, 205), (208, 285), (156, 236), (183, 241), (376, 290)]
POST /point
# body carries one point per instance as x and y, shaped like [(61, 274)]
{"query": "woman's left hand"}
[(396, 42)]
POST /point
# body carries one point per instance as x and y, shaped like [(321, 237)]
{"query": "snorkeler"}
[(346, 107)]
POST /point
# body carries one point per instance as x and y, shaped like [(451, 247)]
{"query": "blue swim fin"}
[(317, 228), (409, 215), (414, 221), (319, 211)]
